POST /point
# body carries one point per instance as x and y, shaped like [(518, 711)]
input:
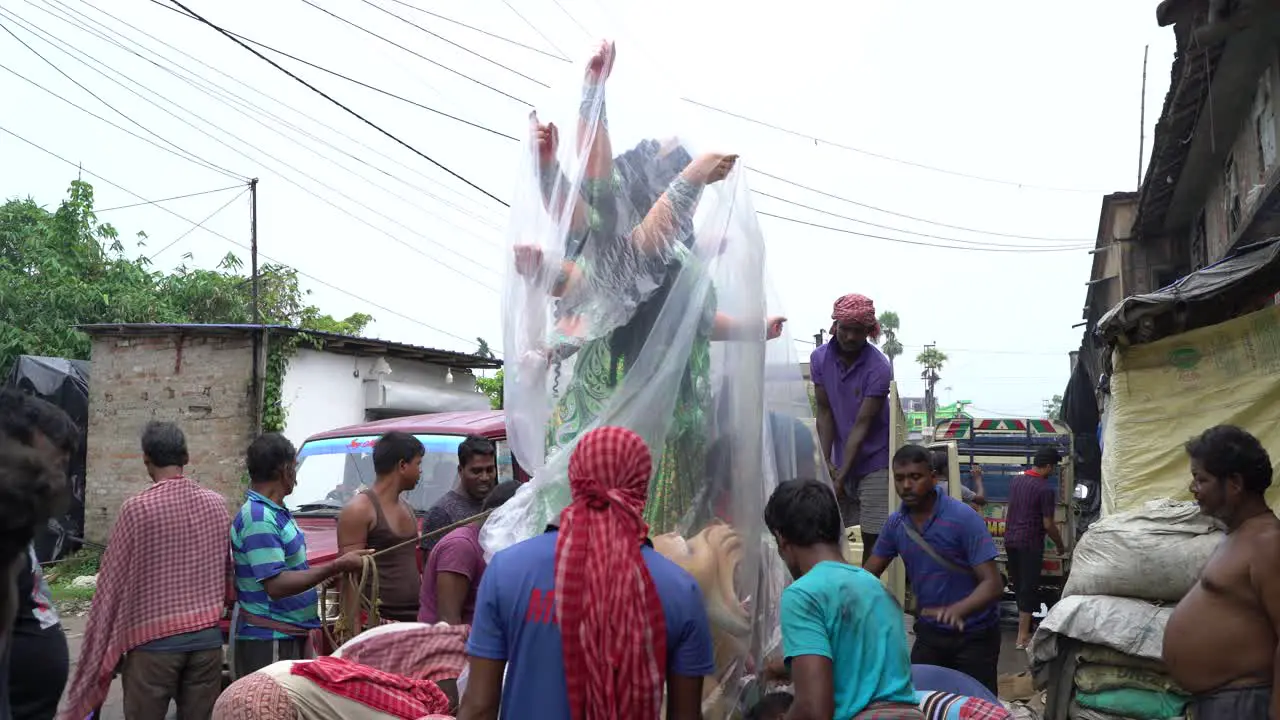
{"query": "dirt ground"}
[(1012, 661)]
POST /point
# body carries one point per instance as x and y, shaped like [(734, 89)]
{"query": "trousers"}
[(152, 679), (975, 653)]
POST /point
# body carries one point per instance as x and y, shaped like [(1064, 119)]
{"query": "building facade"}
[(203, 378), (1211, 184)]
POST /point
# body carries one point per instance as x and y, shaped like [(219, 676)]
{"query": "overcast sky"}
[(1007, 119)]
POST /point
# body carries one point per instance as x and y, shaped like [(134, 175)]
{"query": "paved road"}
[(1012, 661)]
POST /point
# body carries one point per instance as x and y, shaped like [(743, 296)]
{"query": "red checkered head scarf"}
[(854, 308), (611, 622)]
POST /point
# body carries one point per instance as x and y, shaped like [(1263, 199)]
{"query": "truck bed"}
[(1004, 448)]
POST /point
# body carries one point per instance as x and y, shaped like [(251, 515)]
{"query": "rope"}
[(348, 625)]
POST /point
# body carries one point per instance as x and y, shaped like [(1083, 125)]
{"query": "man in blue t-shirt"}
[(838, 621), (950, 560), (518, 616)]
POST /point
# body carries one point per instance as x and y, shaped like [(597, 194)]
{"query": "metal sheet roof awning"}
[(1231, 287)]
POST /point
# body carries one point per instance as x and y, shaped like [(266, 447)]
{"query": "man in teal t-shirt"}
[(843, 640)]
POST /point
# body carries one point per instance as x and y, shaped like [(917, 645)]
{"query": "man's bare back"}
[(1221, 633)]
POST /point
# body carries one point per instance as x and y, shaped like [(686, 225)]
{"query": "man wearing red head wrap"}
[(594, 623), (851, 380)]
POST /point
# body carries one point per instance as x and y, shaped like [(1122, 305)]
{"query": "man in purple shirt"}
[(454, 569), (1030, 517), (950, 560), (851, 388)]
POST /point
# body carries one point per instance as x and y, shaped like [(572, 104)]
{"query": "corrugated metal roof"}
[(332, 342)]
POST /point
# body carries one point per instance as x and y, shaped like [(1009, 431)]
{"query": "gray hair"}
[(164, 444)]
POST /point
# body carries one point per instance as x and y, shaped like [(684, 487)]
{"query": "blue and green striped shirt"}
[(265, 541)]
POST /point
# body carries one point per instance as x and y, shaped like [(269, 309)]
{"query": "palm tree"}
[(931, 358), (889, 326)]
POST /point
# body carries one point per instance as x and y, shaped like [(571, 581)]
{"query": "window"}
[(1231, 194), (330, 471), (1264, 126), (1199, 243)]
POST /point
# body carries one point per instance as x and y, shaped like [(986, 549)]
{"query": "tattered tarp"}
[(1239, 284), (64, 383)]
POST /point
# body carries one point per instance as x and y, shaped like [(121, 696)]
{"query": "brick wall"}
[(203, 385)]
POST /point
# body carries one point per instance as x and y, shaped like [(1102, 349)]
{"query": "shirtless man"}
[(1221, 642), (380, 519)]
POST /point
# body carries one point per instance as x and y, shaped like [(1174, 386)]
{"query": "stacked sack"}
[(1099, 649)]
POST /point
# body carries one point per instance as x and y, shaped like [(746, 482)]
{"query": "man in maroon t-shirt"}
[(1028, 519), (454, 568)]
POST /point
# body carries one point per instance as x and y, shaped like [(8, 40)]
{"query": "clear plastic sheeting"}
[(636, 296)]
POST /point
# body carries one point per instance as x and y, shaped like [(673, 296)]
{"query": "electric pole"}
[(253, 248)]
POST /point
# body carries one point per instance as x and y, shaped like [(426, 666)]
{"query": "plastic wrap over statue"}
[(636, 296)]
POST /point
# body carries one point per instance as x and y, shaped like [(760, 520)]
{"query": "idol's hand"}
[(546, 138), (528, 260), (710, 168), (775, 324), (601, 64)]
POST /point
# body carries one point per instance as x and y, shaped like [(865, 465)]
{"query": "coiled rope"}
[(348, 623)]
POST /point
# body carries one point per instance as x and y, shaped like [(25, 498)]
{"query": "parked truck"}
[(1004, 448)]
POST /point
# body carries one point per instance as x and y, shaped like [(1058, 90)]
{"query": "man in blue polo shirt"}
[(950, 560)]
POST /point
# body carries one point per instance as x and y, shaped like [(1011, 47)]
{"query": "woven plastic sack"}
[(1155, 552), (1101, 655), (1100, 678), (1075, 712), (1138, 704)]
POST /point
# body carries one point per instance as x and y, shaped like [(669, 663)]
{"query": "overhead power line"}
[(752, 168), (308, 116), (841, 198), (757, 170), (482, 31), (415, 53), (242, 142), (181, 152), (901, 230), (748, 118), (442, 38), (357, 115), (569, 15), (533, 27), (239, 106), (335, 73), (168, 199), (197, 226), (237, 243), (91, 113), (881, 156), (914, 242)]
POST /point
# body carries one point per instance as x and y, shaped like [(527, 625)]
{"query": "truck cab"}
[(336, 464)]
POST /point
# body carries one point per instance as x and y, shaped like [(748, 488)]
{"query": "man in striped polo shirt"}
[(275, 587)]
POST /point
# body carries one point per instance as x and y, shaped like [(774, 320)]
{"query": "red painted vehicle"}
[(334, 465)]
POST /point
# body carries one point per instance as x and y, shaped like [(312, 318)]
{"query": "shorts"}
[(1024, 575), (873, 500), (1232, 703)]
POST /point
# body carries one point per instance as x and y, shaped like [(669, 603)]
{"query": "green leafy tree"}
[(64, 268), (889, 335), (491, 387), (932, 358), (1053, 408)]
